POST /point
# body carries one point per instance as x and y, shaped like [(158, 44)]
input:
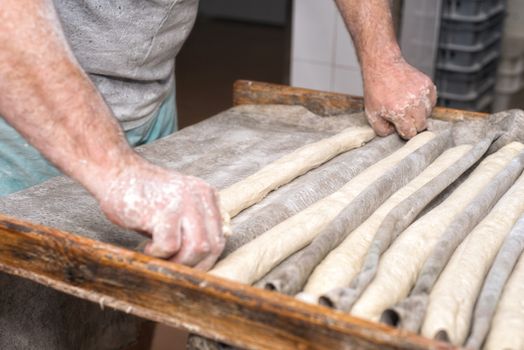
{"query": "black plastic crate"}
[(481, 104), (471, 9), (467, 56), (470, 33), (465, 81)]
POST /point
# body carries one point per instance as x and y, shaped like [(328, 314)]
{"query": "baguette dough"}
[(291, 275), (254, 188), (344, 262), (492, 289), (397, 220), (452, 300), (507, 328), (410, 313), (253, 260), (401, 263), (306, 190)]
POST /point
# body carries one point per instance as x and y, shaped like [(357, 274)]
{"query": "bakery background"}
[(474, 53)]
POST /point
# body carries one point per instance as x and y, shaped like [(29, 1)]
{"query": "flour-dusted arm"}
[(395, 94), (49, 99)]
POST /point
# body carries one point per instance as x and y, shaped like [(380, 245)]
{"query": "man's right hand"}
[(179, 212), (50, 100)]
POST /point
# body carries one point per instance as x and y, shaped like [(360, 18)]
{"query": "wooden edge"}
[(178, 296), (320, 102)]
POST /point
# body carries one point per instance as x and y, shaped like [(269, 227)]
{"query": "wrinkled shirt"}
[(128, 48)]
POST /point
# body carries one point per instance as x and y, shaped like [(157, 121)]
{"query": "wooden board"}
[(319, 102), (189, 299)]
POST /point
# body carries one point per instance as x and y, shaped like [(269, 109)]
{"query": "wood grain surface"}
[(182, 297), (319, 102)]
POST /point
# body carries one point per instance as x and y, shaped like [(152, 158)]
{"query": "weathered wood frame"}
[(192, 300)]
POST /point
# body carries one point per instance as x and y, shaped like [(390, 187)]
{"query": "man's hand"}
[(49, 99), (398, 96), (179, 212)]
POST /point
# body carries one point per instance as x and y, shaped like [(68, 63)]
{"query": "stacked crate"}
[(468, 53), (510, 76)]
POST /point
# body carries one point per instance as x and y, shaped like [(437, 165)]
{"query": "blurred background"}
[(473, 50)]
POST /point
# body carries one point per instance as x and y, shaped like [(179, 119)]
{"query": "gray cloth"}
[(507, 257), (290, 277), (307, 189), (222, 150), (395, 222), (409, 313), (128, 48)]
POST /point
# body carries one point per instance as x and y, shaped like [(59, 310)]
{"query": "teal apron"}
[(22, 166)]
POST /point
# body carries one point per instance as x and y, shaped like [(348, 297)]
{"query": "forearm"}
[(371, 27), (396, 95), (48, 98)]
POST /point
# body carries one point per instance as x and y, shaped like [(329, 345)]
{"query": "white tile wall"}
[(347, 80), (323, 56), (313, 30), (312, 75), (345, 54)]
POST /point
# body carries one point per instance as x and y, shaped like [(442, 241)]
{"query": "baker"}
[(81, 82)]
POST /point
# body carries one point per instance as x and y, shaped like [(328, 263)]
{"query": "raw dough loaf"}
[(254, 188), (343, 263), (395, 222), (401, 263), (253, 260), (498, 275), (290, 276), (306, 190), (507, 328), (452, 299), (409, 314)]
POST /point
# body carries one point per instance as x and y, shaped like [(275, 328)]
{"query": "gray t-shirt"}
[(128, 47)]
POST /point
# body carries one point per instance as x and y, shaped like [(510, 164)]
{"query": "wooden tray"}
[(182, 297)]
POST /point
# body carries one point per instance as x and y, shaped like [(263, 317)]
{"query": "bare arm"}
[(396, 94), (49, 99)]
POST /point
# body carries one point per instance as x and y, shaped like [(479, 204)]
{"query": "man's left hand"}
[(398, 96)]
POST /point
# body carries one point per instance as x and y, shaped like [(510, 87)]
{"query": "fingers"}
[(419, 115), (200, 235), (405, 126), (167, 239), (195, 244), (413, 119), (381, 126)]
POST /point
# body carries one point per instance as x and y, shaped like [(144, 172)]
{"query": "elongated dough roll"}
[(307, 189), (343, 263), (452, 299), (254, 188), (253, 260), (507, 328), (410, 313), (401, 263), (492, 289), (395, 222), (291, 275)]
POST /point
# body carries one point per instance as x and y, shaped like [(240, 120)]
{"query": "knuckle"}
[(202, 248)]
